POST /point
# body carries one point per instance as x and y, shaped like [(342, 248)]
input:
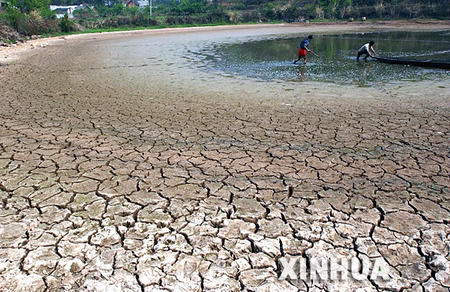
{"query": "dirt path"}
[(124, 168)]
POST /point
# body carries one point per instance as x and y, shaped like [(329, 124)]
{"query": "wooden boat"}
[(425, 63)]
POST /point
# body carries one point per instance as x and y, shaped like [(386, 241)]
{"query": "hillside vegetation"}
[(33, 17)]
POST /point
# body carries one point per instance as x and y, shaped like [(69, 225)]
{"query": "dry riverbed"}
[(123, 167)]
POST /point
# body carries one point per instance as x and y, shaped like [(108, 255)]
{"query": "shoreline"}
[(14, 52)]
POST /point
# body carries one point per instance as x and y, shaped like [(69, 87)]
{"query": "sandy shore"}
[(126, 168)]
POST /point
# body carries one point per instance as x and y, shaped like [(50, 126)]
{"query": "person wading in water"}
[(366, 50), (303, 49)]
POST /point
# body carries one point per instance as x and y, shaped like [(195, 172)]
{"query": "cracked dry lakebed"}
[(127, 165)]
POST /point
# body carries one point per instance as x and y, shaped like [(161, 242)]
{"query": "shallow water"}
[(271, 59)]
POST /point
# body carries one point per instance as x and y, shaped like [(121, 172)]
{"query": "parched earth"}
[(118, 174)]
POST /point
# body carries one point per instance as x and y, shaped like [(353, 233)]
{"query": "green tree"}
[(335, 8), (191, 6), (268, 11), (26, 6)]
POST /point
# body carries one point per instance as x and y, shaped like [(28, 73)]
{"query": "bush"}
[(30, 24), (66, 24), (13, 17), (250, 16), (175, 20), (31, 17), (268, 11), (291, 13), (85, 13), (118, 21), (8, 34), (217, 15), (47, 14), (35, 24), (28, 6), (233, 17)]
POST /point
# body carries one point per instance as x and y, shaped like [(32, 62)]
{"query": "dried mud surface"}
[(124, 168)]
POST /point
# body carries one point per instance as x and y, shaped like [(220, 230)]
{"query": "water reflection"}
[(271, 59), (302, 74)]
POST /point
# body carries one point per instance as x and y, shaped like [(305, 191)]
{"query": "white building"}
[(60, 11), (142, 3)]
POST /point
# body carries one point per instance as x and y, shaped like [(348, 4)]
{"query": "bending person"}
[(366, 50)]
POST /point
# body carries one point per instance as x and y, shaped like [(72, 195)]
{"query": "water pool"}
[(271, 59)]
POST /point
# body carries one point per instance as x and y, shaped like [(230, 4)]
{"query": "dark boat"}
[(426, 63)]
